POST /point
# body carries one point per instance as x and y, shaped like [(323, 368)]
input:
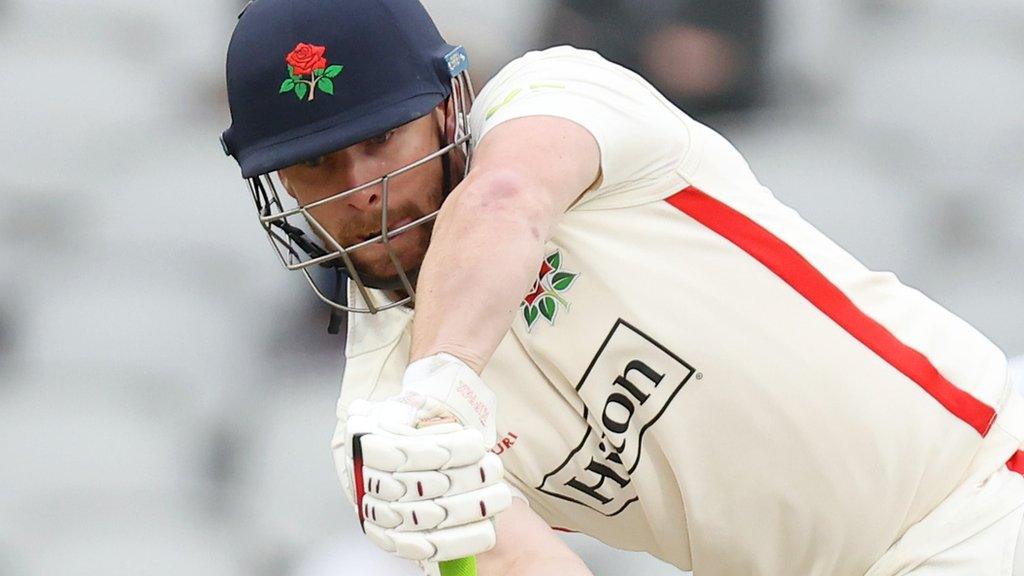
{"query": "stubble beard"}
[(374, 263)]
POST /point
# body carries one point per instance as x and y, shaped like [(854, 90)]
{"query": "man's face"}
[(356, 218)]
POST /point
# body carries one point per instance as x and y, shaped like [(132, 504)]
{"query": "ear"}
[(282, 175), (447, 111)]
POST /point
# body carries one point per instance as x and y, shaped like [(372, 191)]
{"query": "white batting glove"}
[(418, 466)]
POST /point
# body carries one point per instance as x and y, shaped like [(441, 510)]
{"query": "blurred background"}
[(167, 391)]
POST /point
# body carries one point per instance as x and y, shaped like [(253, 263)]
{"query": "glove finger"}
[(474, 506), (407, 486), (383, 540), (427, 485), (392, 453), (397, 453), (437, 545), (440, 513), (466, 447), (358, 425), (461, 541), (365, 417), (486, 472), (409, 545), (404, 516), (384, 514), (384, 485)]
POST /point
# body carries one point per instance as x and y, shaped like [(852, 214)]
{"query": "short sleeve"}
[(644, 139)]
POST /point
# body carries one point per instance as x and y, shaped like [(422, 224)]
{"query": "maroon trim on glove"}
[(357, 471)]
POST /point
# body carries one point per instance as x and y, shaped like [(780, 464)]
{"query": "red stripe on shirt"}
[(1016, 462), (802, 276)]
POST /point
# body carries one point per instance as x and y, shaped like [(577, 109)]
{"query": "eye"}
[(382, 138), (313, 163)]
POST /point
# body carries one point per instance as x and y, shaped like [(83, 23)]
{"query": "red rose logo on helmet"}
[(544, 298), (308, 60)]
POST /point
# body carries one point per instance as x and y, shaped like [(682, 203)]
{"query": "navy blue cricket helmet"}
[(309, 77)]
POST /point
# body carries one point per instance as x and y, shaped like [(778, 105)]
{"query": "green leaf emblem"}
[(546, 297), (287, 86), (301, 90), (327, 85), (333, 71), (548, 307), (531, 314), (561, 281)]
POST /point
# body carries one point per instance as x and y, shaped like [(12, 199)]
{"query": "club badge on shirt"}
[(546, 298)]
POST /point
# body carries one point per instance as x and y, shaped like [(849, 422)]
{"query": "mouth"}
[(391, 229)]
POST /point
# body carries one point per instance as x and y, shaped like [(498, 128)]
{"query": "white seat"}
[(288, 487), (80, 434), (154, 538), (352, 554)]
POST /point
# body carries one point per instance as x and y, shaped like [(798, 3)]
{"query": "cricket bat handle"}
[(460, 567)]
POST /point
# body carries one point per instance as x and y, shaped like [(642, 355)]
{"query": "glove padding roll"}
[(474, 494), (429, 484), (436, 545)]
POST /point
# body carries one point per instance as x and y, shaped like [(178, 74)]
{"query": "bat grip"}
[(460, 567)]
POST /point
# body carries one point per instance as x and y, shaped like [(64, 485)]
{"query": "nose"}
[(353, 174), (365, 200)]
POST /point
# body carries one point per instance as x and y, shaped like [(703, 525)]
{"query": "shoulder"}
[(551, 70), (555, 56), (642, 138)]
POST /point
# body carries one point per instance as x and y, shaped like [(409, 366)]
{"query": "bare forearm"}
[(487, 244), (541, 566), (528, 547), (489, 237)]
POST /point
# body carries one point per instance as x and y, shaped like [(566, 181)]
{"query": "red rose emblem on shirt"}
[(309, 60), (545, 297), (306, 58)]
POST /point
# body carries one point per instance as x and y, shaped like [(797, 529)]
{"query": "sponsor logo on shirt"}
[(628, 386)]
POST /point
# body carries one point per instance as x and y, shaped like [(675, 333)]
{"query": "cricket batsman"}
[(571, 305)]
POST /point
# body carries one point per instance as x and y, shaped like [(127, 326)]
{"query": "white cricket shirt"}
[(700, 373)]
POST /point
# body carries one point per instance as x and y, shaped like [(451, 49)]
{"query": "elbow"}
[(506, 197)]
